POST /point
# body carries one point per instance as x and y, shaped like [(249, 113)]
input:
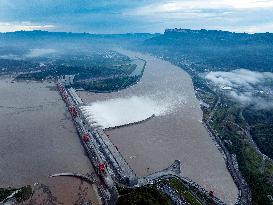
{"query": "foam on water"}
[(120, 111)]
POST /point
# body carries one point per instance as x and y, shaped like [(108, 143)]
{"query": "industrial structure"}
[(110, 166)]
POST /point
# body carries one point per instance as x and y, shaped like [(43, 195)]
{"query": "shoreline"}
[(185, 138)]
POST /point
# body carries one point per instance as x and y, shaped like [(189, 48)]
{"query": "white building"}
[(66, 79)]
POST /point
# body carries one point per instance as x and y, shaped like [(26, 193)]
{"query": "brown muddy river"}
[(37, 136), (175, 133)]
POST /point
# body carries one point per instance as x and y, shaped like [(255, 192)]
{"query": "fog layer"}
[(245, 86)]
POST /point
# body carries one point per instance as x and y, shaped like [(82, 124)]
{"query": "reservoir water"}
[(37, 136)]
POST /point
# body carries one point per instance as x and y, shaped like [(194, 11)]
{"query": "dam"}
[(38, 138), (175, 133)]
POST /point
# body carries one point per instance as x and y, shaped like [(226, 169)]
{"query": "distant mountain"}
[(210, 38), (44, 38), (212, 49), (40, 33), (208, 49), (66, 36)]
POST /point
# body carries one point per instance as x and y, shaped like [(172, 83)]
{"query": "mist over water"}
[(40, 52), (120, 111)]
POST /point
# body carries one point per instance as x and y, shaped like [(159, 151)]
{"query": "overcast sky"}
[(122, 16)]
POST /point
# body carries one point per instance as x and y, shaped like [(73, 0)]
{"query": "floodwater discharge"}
[(37, 136), (176, 132), (121, 111)]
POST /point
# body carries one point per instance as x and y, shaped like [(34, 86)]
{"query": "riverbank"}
[(178, 133)]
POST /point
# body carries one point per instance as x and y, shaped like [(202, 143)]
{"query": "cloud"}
[(98, 16), (240, 15), (238, 78), (37, 52), (11, 57), (245, 86), (197, 5), (265, 27), (244, 98), (26, 26), (121, 16)]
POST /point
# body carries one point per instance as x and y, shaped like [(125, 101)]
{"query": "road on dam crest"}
[(176, 132)]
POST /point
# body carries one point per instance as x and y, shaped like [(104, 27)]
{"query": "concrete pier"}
[(101, 151), (107, 189)]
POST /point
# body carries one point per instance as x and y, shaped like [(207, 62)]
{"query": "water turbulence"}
[(121, 111)]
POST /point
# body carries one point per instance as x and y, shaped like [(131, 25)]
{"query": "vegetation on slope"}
[(142, 196), (104, 72), (22, 194), (205, 51)]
